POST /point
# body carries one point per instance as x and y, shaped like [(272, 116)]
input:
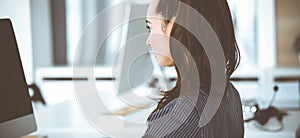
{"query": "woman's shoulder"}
[(179, 102), (191, 100), (177, 107), (199, 98)]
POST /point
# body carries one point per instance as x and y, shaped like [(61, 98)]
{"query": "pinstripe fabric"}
[(175, 121)]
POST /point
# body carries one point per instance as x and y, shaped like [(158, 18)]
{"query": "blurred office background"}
[(48, 32), (265, 32)]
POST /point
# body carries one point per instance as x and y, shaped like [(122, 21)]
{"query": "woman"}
[(177, 113)]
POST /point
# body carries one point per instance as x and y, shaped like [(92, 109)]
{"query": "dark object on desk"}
[(262, 116), (37, 95)]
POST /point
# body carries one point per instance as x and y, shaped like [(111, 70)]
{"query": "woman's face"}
[(159, 36)]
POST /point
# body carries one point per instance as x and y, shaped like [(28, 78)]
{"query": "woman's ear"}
[(168, 27)]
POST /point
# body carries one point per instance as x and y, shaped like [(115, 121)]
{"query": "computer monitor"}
[(134, 67), (16, 112), (139, 73), (137, 66)]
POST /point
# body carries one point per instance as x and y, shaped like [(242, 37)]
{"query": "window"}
[(245, 25), (73, 12), (243, 13)]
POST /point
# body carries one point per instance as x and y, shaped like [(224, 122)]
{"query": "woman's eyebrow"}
[(147, 21)]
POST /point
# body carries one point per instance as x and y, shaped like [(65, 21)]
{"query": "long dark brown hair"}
[(217, 13)]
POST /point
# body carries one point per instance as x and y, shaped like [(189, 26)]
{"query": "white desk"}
[(291, 123), (65, 120)]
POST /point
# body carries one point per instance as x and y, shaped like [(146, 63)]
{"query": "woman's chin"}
[(167, 63)]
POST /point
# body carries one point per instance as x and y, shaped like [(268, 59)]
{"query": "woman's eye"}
[(149, 29)]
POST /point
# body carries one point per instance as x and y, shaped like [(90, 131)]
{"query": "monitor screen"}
[(133, 69), (136, 64), (15, 102)]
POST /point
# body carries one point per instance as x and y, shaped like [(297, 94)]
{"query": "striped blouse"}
[(180, 119)]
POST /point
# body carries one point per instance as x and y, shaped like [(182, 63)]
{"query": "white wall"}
[(19, 13)]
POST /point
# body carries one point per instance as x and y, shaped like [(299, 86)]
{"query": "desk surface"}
[(65, 120), (291, 123)]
